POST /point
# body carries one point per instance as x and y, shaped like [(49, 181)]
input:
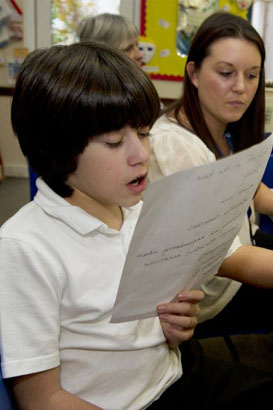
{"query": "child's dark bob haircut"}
[(66, 95)]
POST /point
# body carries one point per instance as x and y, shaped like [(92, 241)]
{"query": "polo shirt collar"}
[(75, 217)]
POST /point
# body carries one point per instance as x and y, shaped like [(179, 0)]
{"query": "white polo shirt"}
[(59, 273)]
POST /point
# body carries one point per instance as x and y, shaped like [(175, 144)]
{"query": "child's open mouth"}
[(138, 184), (137, 181)]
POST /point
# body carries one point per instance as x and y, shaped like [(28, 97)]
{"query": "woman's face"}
[(227, 80), (134, 52)]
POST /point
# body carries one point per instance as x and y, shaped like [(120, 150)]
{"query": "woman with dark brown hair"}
[(222, 111)]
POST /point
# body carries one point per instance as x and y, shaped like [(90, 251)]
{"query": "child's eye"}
[(144, 134), (114, 144)]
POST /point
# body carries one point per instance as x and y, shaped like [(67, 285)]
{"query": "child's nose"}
[(140, 151)]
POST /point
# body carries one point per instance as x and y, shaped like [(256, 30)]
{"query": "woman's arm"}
[(43, 391), (249, 264), (263, 200)]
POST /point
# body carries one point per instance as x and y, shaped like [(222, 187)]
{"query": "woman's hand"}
[(179, 318)]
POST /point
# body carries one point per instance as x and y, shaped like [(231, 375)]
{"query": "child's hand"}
[(179, 318)]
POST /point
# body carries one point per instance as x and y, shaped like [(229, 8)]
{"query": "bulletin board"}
[(167, 28), (158, 40), (12, 52)]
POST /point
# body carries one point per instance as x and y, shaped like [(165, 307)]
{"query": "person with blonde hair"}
[(114, 30)]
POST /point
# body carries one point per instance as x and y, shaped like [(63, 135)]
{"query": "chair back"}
[(32, 183), (266, 223), (6, 402)]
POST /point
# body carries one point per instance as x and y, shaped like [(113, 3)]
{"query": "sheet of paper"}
[(187, 224)]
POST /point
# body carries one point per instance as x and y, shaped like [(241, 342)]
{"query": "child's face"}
[(112, 170)]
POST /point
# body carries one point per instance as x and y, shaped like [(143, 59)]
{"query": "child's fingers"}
[(179, 322), (193, 296), (179, 308), (181, 335)]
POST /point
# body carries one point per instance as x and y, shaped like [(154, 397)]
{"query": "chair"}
[(206, 334), (32, 183), (266, 223), (6, 400)]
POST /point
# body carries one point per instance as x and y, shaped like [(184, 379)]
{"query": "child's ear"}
[(192, 73)]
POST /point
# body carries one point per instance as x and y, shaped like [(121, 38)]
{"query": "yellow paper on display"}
[(163, 19), (160, 30)]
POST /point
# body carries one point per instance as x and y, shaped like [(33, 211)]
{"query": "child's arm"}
[(179, 318), (43, 391), (249, 264)]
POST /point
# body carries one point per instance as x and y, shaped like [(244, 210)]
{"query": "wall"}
[(168, 89), (13, 160)]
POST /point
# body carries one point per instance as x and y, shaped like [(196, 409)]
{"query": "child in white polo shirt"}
[(82, 114)]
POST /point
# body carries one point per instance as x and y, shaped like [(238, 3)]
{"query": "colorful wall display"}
[(167, 28)]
